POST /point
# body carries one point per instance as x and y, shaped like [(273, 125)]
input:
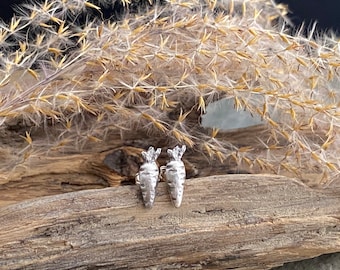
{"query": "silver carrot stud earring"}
[(175, 174), (148, 176)]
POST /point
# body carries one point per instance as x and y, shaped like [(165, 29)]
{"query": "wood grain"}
[(225, 222), (112, 162)]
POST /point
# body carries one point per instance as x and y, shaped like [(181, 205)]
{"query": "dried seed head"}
[(133, 75)]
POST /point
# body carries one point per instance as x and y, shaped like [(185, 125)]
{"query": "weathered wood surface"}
[(112, 162), (99, 165), (225, 222)]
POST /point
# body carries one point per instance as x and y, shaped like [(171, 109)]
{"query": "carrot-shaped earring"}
[(175, 174), (148, 176)]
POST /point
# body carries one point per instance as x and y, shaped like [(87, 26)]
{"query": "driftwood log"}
[(225, 222), (235, 221)]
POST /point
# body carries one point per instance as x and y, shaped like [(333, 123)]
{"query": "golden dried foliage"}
[(181, 55)]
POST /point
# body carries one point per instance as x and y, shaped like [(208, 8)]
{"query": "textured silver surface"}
[(148, 176), (175, 174)]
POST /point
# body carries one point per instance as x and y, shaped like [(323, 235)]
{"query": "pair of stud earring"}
[(149, 175)]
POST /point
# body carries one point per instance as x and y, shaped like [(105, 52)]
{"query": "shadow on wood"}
[(229, 221)]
